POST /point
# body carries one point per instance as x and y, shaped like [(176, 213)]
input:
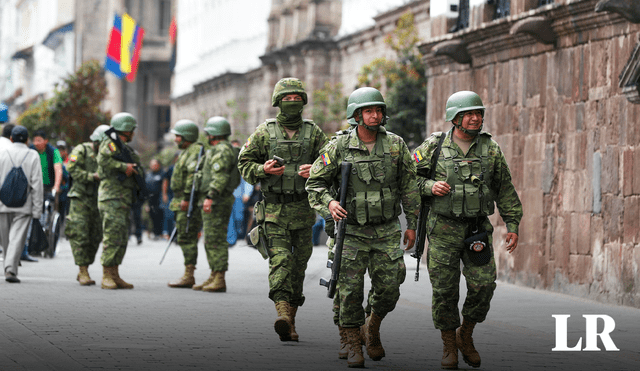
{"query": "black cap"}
[(19, 134)]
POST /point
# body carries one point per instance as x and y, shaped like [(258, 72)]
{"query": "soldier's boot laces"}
[(343, 352), (292, 314), (199, 287), (375, 351), (218, 284), (122, 284), (355, 358), (449, 350), (107, 279), (187, 280), (283, 322), (83, 276), (464, 342)]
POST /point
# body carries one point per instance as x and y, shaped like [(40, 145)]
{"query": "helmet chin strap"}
[(467, 131)]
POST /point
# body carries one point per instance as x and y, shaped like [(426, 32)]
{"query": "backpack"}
[(15, 188)]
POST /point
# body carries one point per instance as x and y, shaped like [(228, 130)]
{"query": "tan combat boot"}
[(84, 278), (372, 337), (355, 359), (122, 284), (464, 342), (283, 322), (449, 350), (292, 314), (343, 352), (218, 284), (199, 287), (187, 280), (107, 279)]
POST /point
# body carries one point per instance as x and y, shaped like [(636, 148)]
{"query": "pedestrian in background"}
[(15, 221), (116, 195), (382, 184), (182, 180), (284, 214), (220, 178), (154, 187), (471, 176), (84, 227)]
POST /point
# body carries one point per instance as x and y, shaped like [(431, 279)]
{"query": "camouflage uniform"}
[(115, 197), (289, 219), (83, 227), (181, 184), (217, 185), (368, 244), (446, 233)]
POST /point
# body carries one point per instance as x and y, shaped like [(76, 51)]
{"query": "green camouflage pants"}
[(84, 229), (115, 231), (215, 226), (188, 241), (287, 265), (336, 297), (384, 259), (446, 250)]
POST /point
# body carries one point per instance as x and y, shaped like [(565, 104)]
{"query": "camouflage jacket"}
[(497, 176), (255, 153), (114, 184), (218, 172), (82, 164), (325, 177), (183, 173)]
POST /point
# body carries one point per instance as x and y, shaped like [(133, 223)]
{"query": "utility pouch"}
[(477, 248), (259, 209), (258, 239)]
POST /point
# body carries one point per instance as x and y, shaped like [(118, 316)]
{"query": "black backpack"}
[(14, 191)]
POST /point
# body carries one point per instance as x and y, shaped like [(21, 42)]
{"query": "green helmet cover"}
[(365, 97), (186, 129), (288, 85), (123, 121), (462, 101), (98, 134), (217, 126)]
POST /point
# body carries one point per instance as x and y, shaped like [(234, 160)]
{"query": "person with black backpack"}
[(21, 196)]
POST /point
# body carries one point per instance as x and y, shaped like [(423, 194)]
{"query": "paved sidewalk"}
[(49, 322)]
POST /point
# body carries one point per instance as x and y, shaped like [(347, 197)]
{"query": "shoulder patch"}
[(216, 166), (248, 143), (417, 156), (325, 159), (112, 147), (73, 158)]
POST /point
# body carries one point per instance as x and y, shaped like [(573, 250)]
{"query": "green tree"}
[(329, 107), (74, 110), (404, 80)]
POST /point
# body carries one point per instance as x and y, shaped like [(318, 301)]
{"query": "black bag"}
[(14, 191), (38, 241), (478, 248)]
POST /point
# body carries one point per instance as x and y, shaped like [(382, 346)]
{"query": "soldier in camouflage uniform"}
[(116, 194), (381, 185), (220, 177), (471, 175), (284, 214), (84, 228), (182, 181)]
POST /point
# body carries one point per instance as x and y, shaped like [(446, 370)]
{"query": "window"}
[(503, 8), (544, 2), (463, 16), (164, 17)]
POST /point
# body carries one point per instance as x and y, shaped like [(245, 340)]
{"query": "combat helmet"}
[(123, 121), (463, 101), (98, 134), (364, 97), (288, 85), (186, 129), (217, 126)]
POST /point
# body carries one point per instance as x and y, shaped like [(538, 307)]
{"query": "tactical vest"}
[(372, 194), (470, 195), (295, 152)]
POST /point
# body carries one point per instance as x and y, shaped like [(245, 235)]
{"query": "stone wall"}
[(569, 134)]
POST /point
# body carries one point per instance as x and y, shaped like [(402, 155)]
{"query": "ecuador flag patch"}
[(417, 156), (325, 159)]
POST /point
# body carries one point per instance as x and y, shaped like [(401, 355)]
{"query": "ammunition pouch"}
[(259, 241), (259, 210)]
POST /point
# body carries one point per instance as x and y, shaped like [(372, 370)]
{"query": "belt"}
[(280, 198)]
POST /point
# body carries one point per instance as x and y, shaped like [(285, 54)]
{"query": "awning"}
[(25, 53), (4, 113), (54, 38)]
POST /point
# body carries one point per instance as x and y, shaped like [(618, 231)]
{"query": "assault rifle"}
[(126, 156), (425, 205), (193, 189), (340, 232)]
